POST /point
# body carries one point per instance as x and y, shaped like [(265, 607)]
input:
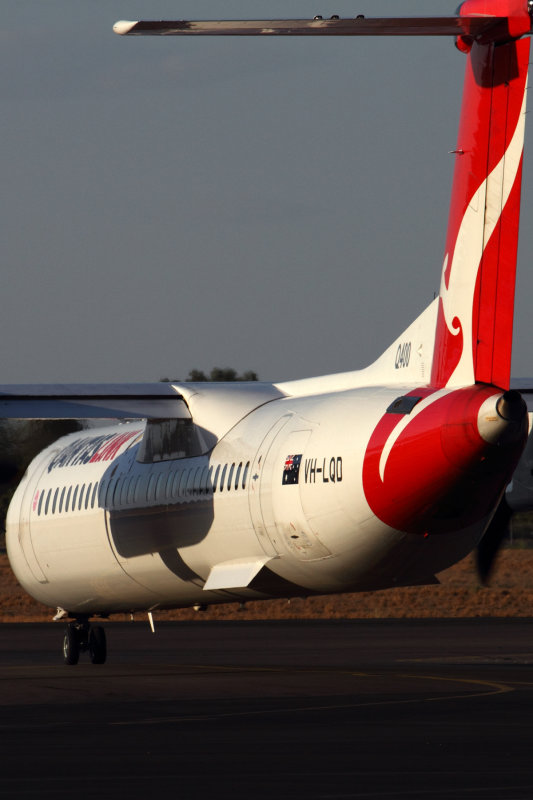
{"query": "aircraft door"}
[(259, 499), (292, 531), (28, 510), (275, 501)]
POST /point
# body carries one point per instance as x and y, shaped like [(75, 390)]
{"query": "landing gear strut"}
[(80, 636)]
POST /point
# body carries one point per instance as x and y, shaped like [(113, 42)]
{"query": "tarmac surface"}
[(311, 709)]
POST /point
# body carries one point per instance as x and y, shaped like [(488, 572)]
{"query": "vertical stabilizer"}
[(476, 302), (475, 318)]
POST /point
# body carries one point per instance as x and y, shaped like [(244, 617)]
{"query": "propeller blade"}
[(489, 546)]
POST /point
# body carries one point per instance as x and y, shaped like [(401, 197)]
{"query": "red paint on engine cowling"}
[(440, 475)]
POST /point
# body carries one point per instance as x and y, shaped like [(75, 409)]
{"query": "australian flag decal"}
[(291, 470)]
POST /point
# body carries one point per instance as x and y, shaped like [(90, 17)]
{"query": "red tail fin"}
[(474, 328)]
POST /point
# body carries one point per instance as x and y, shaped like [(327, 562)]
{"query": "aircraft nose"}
[(502, 418)]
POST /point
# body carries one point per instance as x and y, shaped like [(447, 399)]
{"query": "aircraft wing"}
[(474, 26), (92, 401), (160, 400)]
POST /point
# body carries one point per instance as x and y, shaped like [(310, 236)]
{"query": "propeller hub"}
[(502, 418)]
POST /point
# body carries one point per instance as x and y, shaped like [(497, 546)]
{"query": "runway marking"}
[(501, 688), (495, 791), (497, 660), (22, 784), (490, 688)]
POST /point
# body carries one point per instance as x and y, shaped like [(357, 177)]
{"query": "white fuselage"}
[(275, 508)]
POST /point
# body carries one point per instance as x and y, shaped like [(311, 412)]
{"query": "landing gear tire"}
[(80, 637), (97, 645), (71, 646)]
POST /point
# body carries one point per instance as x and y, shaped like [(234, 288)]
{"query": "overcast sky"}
[(272, 204)]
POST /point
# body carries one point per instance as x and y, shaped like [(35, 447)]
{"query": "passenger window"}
[(176, 483), (54, 503), (67, 501), (197, 480), (230, 476), (63, 490), (203, 481), (245, 474), (168, 485), (124, 491), (150, 493), (137, 494), (116, 491), (223, 477), (132, 488), (215, 479), (41, 498), (109, 492), (47, 501), (183, 482), (238, 475), (102, 489), (80, 501), (93, 498), (160, 489), (141, 488), (88, 496)]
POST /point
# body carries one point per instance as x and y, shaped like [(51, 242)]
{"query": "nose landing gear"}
[(81, 636)]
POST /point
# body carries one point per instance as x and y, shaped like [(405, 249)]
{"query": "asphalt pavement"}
[(358, 709)]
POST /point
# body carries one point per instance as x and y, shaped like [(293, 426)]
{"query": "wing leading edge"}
[(92, 401), (475, 27)]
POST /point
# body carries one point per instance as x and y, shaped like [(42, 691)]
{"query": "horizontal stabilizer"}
[(476, 27), (92, 401), (525, 387), (235, 574)]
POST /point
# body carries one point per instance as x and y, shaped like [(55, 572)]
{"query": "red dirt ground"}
[(460, 594)]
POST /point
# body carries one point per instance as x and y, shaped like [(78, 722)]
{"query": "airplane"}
[(369, 479)]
